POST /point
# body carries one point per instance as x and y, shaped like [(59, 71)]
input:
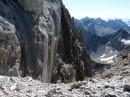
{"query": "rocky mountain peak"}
[(43, 44)]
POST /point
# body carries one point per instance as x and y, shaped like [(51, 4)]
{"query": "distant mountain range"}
[(102, 27), (127, 21), (104, 39)]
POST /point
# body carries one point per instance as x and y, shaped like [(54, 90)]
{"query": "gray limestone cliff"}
[(38, 39)]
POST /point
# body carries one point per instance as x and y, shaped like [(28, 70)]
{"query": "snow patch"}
[(103, 55), (108, 59), (125, 42), (107, 47), (111, 51)]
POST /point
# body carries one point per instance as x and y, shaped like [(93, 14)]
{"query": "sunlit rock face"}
[(43, 33)]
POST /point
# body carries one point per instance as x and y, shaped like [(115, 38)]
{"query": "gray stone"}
[(33, 33), (126, 88), (10, 50)]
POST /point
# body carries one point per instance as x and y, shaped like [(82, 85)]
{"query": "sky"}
[(104, 9)]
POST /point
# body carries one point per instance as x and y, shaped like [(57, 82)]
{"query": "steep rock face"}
[(44, 32), (32, 6), (73, 62), (9, 48)]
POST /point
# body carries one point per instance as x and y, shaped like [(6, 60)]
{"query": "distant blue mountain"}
[(100, 26), (127, 21), (103, 38)]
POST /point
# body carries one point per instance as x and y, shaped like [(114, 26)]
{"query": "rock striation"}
[(38, 39)]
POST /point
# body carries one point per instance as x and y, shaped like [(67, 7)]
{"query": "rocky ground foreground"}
[(27, 87)]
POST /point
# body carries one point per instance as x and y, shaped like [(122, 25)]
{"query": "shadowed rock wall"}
[(37, 38)]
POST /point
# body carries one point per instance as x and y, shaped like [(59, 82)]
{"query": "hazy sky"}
[(98, 8)]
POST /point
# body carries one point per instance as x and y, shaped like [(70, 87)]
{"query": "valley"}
[(45, 52)]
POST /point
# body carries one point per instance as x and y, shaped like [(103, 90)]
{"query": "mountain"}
[(114, 45), (40, 46), (104, 39), (127, 21), (38, 39), (100, 26)]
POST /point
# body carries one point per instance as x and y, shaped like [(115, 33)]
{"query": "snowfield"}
[(106, 56), (108, 60)]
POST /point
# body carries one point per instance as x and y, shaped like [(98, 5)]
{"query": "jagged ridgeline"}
[(38, 39)]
